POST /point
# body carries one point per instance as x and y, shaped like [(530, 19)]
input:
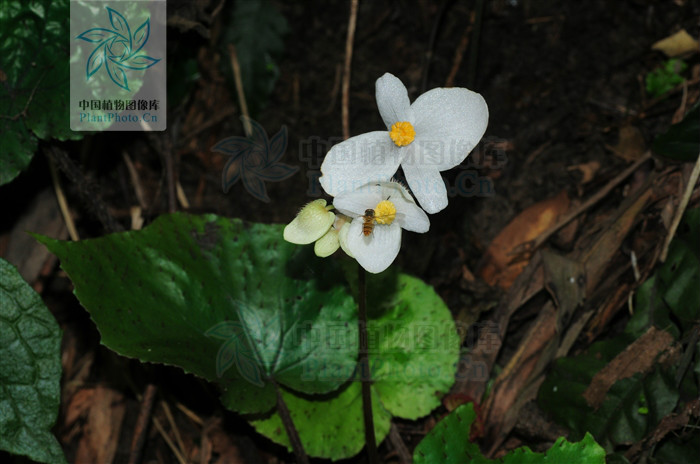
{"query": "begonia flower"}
[(316, 223), (311, 224), (434, 134), (379, 211)]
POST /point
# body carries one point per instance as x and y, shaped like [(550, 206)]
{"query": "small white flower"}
[(434, 134), (316, 223), (379, 211), (310, 224)]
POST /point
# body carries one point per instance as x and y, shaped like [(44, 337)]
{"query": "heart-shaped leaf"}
[(414, 350), (212, 295)]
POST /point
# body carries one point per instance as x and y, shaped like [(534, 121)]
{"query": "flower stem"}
[(365, 374), (292, 433)]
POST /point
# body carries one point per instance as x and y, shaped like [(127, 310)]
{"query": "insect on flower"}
[(385, 213), (368, 222)]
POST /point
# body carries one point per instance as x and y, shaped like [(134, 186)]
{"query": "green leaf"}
[(679, 448), (34, 76), (30, 370), (621, 419), (673, 289), (681, 141), (328, 428), (415, 356), (219, 298), (414, 349), (256, 30), (665, 78), (448, 443)]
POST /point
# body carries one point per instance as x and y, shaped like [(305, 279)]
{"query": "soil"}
[(561, 79)]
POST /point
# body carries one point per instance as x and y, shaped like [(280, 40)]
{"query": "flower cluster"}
[(434, 134)]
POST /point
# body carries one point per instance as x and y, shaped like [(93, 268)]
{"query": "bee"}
[(368, 222), (387, 214)]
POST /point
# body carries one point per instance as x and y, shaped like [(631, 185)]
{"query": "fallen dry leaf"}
[(497, 268), (588, 170), (101, 432), (517, 384), (630, 145), (677, 44), (79, 405)]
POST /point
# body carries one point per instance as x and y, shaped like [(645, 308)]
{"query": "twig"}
[(365, 373), (292, 433), (173, 426), (354, 5), (181, 196), (88, 191), (668, 424), (216, 11), (134, 175), (62, 203), (399, 446), (681, 208), (474, 51), (180, 458), (459, 53), (680, 112), (189, 413), (532, 245), (169, 166), (139, 437), (235, 65), (684, 85), (431, 44), (207, 124), (335, 89)]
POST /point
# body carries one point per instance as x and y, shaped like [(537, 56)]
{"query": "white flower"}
[(379, 211), (434, 134)]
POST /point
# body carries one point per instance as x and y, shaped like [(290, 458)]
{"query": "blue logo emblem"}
[(118, 48)]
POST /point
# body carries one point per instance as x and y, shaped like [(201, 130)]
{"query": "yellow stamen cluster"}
[(384, 212), (402, 133)]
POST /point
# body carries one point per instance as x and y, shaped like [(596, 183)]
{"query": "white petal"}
[(343, 239), (326, 245), (377, 251), (356, 202), (358, 161), (449, 124), (312, 222), (392, 100), (409, 215), (412, 217), (427, 185)]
